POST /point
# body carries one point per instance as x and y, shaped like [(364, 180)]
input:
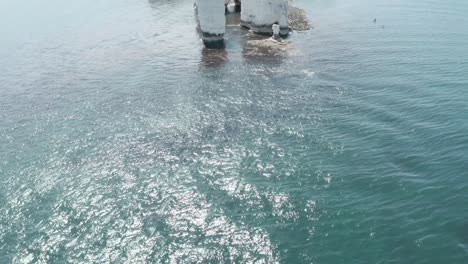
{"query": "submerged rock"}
[(260, 47), (214, 57)]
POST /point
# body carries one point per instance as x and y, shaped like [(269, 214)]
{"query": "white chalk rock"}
[(261, 15), (212, 21)]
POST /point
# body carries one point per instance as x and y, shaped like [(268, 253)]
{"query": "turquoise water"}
[(123, 141)]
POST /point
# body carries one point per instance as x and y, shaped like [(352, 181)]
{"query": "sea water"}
[(122, 140)]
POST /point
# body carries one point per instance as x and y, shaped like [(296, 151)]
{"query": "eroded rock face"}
[(260, 15)]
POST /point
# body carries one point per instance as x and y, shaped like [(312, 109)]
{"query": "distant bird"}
[(375, 20)]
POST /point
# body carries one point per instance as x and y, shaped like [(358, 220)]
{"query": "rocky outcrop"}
[(298, 20)]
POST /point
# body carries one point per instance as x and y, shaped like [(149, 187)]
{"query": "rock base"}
[(265, 29), (213, 41)]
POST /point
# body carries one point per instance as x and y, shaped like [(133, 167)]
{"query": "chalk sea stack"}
[(260, 15), (212, 22)]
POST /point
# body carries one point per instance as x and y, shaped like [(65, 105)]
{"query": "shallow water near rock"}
[(122, 140)]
